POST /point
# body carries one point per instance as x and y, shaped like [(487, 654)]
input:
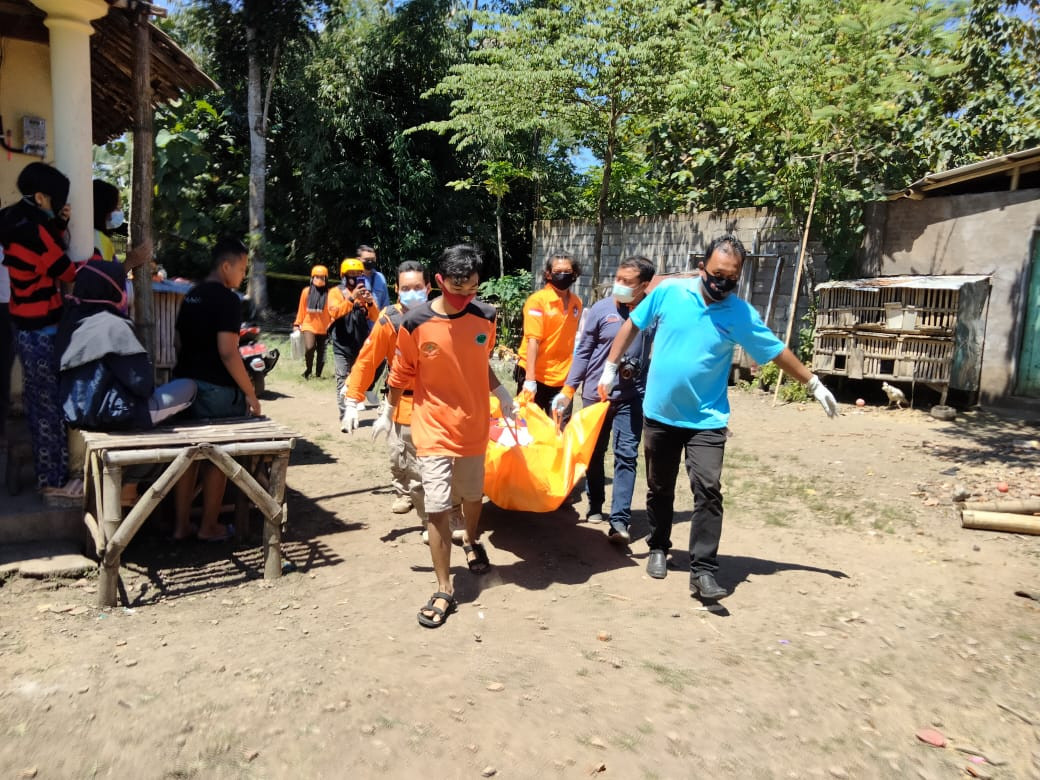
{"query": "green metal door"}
[(1029, 362)]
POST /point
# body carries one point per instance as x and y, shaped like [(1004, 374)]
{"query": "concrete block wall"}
[(677, 242)]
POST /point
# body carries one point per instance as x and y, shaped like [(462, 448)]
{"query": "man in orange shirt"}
[(551, 318), (313, 319), (352, 310), (443, 352), (413, 287)]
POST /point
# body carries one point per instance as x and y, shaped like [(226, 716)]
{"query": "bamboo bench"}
[(253, 453)]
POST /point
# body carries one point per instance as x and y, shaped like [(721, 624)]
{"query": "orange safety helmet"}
[(351, 264), (320, 270)]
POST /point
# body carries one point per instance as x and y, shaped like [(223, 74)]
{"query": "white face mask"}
[(623, 294), (115, 220)]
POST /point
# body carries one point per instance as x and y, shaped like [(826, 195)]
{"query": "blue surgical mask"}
[(623, 293), (412, 298), (115, 220)]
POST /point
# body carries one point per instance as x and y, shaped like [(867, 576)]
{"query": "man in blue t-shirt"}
[(686, 409), (376, 281), (624, 422)]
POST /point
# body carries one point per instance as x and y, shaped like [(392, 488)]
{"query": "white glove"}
[(384, 422), (607, 380), (560, 402), (823, 395), (530, 386), (505, 400), (349, 423)]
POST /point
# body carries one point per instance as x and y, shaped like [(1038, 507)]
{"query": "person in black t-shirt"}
[(207, 351)]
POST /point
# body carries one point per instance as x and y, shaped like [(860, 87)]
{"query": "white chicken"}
[(895, 395)]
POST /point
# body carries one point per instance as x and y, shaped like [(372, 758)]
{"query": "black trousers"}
[(314, 347), (543, 396), (663, 446)]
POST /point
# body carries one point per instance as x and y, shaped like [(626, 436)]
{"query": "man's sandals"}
[(432, 616), (479, 563)]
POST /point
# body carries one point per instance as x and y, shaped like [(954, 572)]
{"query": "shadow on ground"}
[(177, 569), (553, 547), (989, 438)]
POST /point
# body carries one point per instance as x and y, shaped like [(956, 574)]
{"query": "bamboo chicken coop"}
[(917, 329)]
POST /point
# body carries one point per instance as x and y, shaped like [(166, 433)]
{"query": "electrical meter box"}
[(34, 136)]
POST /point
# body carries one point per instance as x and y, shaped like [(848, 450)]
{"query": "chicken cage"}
[(927, 329)]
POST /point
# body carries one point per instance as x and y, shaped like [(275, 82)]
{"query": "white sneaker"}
[(402, 505)]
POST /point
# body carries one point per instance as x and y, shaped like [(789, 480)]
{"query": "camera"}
[(629, 368)]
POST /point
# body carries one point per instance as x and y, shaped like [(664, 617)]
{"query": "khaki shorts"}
[(447, 480)]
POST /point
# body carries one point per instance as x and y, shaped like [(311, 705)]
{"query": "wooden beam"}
[(143, 178)]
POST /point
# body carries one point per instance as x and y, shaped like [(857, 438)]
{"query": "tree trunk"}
[(498, 226), (142, 182), (601, 205), (257, 287), (799, 268)]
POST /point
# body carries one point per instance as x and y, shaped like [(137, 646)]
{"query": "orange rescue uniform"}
[(379, 346), (445, 358), (312, 321), (552, 320)]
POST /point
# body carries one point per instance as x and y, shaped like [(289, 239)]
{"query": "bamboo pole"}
[(273, 525), (244, 480), (1000, 521), (798, 274), (166, 454), (94, 528), (146, 504), (1027, 507), (143, 176), (111, 514)]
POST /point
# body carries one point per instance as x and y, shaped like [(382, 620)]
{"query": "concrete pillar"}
[(69, 24)]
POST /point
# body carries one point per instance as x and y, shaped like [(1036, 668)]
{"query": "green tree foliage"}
[(576, 73), (201, 186), (360, 177), (990, 106), (778, 92), (508, 294)]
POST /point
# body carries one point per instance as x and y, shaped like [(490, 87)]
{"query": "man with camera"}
[(374, 279), (353, 310), (624, 421)]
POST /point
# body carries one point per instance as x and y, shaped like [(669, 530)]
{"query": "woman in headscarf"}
[(107, 381), (32, 232), (313, 319)]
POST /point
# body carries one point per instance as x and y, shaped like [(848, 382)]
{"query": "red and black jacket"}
[(37, 263)]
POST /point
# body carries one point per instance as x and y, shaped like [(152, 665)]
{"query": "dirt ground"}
[(861, 613)]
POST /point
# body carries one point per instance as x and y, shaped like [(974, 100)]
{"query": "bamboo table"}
[(261, 444)]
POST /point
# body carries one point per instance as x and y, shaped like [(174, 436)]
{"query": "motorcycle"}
[(258, 359)]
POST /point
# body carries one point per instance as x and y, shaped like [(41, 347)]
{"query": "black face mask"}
[(350, 282), (561, 280), (717, 287), (370, 265)]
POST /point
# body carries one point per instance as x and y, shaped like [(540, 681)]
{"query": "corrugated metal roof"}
[(1006, 162), (918, 282)]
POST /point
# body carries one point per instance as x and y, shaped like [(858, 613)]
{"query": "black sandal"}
[(480, 563), (439, 616)]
